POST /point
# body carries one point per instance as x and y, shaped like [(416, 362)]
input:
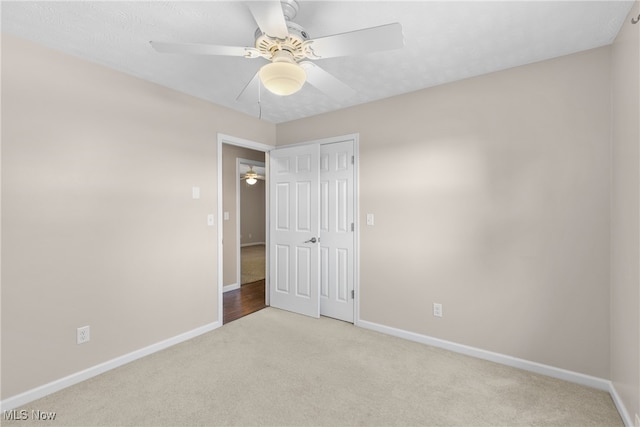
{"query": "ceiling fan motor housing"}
[(293, 43)]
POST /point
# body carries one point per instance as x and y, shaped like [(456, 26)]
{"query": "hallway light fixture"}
[(251, 177)]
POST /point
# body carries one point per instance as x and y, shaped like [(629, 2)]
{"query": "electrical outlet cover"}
[(83, 335)]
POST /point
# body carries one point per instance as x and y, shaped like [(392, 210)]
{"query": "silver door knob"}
[(312, 240)]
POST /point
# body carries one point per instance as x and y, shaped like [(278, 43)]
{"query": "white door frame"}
[(232, 140), (356, 207), (240, 161)]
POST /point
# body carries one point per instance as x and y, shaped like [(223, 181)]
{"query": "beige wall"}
[(98, 224), (491, 196), (252, 213), (625, 215), (230, 153)]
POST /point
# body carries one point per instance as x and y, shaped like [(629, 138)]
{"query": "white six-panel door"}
[(336, 230), (312, 204), (294, 229)]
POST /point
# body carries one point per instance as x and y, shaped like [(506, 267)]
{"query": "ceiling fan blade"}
[(269, 17), (326, 82), (374, 39), (250, 93), (205, 49)]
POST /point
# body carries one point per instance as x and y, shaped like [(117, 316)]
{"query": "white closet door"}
[(336, 230), (294, 229)]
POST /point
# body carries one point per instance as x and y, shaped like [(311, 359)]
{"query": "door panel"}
[(303, 286), (295, 268), (324, 272), (337, 240), (282, 268), (282, 206), (342, 275), (303, 208)]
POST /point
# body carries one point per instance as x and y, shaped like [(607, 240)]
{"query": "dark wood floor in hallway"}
[(246, 300)]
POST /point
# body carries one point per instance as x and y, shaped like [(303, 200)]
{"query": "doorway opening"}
[(242, 228), (251, 221), (311, 198), (251, 238)]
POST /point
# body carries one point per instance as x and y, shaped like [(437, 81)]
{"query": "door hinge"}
[(353, 227), (353, 160), (353, 294)]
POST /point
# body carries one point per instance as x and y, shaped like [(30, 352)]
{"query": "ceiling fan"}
[(251, 177), (288, 48)]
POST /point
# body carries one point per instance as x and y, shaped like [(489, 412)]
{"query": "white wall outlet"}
[(437, 309), (226, 216), (83, 335), (210, 220)]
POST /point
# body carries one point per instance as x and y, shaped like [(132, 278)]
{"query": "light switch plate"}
[(226, 216), (437, 309), (369, 219), (210, 220), (195, 192)]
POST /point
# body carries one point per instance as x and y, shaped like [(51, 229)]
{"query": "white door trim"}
[(232, 140)]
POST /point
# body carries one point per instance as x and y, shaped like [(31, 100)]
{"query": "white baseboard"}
[(232, 287), (550, 371), (622, 409), (252, 244), (574, 377), (57, 385)]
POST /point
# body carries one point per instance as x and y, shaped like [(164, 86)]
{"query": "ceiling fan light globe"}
[(251, 181), (283, 78)]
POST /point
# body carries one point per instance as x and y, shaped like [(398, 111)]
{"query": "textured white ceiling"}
[(444, 41)]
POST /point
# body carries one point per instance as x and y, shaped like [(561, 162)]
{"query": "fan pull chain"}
[(259, 103)]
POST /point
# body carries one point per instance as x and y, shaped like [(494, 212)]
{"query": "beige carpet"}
[(277, 368), (252, 263)]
